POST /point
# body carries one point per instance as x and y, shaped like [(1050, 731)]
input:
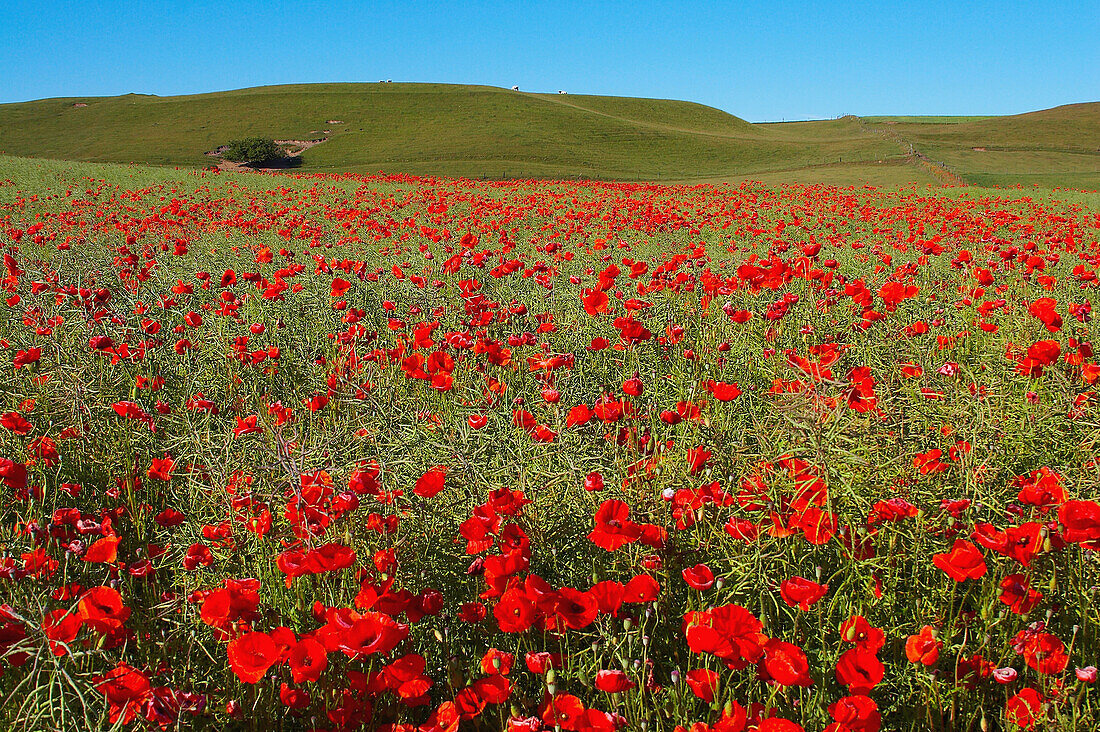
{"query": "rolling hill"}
[(482, 131)]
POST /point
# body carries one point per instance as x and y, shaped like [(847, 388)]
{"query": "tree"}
[(253, 150)]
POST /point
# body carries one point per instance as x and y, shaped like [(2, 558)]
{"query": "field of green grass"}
[(1052, 147), (489, 132), (471, 131)]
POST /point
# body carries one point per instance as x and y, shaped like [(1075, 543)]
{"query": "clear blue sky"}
[(759, 60)]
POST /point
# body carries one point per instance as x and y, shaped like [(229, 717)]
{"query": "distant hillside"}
[(481, 131), (432, 128), (1059, 146)]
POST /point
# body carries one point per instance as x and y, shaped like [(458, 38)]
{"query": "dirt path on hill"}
[(936, 168)]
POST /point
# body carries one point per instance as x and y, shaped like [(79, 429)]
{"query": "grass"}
[(1052, 147), (489, 132), (472, 131), (924, 119)]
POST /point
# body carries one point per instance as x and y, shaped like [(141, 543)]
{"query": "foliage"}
[(253, 150)]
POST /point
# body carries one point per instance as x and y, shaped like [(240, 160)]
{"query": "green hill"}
[(481, 131), (1056, 147), (432, 128)]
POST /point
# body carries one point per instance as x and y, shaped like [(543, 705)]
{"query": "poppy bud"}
[(1086, 674)]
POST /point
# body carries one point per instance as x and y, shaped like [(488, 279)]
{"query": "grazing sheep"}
[(515, 88), (562, 92)]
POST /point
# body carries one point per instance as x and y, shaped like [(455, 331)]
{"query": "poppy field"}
[(406, 453)]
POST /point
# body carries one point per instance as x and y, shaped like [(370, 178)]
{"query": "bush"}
[(253, 150)]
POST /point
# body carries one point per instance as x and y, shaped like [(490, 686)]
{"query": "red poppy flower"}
[(1081, 520), (963, 562), (251, 655), (786, 663), (308, 660), (595, 302), (445, 718), (565, 711), (641, 588), (593, 482), (497, 662), (1042, 651), (102, 609), (857, 630), (801, 592), (1025, 709), (15, 422), (698, 577), (514, 612), (1017, 593), (613, 682), (61, 627), (729, 632), (722, 391), (703, 683), (575, 608), (859, 670), (613, 526), (923, 647), (247, 426), (493, 689), (431, 483), (161, 468), (857, 713), (339, 287), (126, 689), (104, 551)]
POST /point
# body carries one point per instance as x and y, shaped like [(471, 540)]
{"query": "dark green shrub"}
[(253, 150)]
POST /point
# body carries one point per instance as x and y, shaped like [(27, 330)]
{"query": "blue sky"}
[(759, 60)]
